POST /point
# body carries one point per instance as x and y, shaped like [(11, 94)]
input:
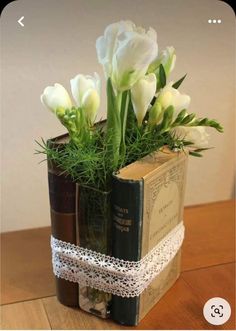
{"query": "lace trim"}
[(110, 274)]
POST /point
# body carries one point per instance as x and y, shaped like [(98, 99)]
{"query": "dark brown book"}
[(62, 192), (62, 195)]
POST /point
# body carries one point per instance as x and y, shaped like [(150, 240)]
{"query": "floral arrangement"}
[(144, 111)]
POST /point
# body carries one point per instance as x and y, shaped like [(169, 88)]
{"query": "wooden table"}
[(28, 294)]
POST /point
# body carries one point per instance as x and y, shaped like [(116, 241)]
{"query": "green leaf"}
[(131, 117), (187, 143), (214, 124), (113, 125), (211, 123), (123, 118), (195, 154), (187, 119), (198, 150), (162, 76), (167, 119), (180, 116), (203, 122), (179, 82)]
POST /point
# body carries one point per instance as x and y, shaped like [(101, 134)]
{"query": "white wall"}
[(58, 41)]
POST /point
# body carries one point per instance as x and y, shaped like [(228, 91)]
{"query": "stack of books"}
[(147, 202)]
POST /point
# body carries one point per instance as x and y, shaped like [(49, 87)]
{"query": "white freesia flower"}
[(55, 97), (106, 45), (167, 58), (142, 94), (80, 84), (91, 103), (169, 96), (125, 51), (196, 134)]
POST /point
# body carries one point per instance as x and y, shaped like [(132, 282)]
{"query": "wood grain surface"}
[(210, 235), (27, 283), (26, 271), (24, 315)]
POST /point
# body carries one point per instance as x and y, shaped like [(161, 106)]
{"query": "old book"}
[(147, 203), (62, 192), (64, 222)]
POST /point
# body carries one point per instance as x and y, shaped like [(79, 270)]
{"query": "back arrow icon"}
[(20, 21)]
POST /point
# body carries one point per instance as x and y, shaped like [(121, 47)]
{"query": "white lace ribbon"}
[(110, 274)]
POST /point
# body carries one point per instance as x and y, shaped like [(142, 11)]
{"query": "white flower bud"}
[(55, 97), (142, 94), (90, 104)]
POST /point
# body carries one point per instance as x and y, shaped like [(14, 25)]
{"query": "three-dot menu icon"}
[(214, 21)]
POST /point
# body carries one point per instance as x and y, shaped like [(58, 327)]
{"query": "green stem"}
[(119, 102), (124, 113), (113, 125)]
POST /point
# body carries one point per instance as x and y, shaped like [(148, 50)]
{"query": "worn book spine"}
[(63, 223), (127, 214)]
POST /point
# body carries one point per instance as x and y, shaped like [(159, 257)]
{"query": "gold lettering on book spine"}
[(121, 223)]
